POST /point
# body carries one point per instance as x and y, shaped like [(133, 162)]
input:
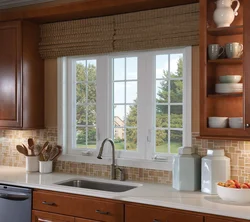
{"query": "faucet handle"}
[(122, 173)]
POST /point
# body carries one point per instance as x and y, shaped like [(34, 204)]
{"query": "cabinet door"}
[(38, 216), (219, 219), (154, 214), (10, 74), (247, 66)]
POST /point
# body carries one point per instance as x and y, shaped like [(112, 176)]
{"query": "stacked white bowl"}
[(217, 122), (222, 122), (229, 84), (236, 122)]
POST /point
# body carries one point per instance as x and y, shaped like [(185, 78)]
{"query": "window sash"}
[(104, 121)]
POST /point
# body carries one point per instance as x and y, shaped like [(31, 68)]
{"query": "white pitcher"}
[(224, 14)]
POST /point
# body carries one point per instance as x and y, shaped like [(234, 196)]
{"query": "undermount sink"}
[(94, 185)]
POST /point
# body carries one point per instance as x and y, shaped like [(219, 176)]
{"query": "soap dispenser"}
[(186, 170)]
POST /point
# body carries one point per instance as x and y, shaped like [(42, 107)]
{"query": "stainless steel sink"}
[(94, 185)]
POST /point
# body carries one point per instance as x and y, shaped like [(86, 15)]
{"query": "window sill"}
[(138, 163)]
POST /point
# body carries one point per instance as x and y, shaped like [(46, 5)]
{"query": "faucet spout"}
[(113, 170)]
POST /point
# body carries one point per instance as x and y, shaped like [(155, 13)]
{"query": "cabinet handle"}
[(42, 220), (247, 125), (156, 220), (48, 203), (102, 212)]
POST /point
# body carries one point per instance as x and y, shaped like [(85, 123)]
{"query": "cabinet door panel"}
[(216, 219), (10, 74), (38, 216), (153, 214)]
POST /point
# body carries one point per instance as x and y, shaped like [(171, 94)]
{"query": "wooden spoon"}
[(31, 146), (56, 156), (22, 150), (44, 146)]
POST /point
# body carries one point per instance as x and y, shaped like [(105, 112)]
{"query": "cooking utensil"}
[(31, 146), (22, 150), (44, 146), (46, 152), (54, 152), (25, 147), (57, 155)]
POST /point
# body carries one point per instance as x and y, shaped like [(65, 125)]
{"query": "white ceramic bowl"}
[(228, 87), (236, 122), (217, 122), (234, 194), (230, 79)]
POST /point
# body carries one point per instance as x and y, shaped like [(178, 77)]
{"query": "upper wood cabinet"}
[(214, 104), (21, 76)]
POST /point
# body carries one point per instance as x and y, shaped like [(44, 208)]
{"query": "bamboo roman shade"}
[(159, 28)]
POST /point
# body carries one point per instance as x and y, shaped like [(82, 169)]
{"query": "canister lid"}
[(216, 152), (185, 150)]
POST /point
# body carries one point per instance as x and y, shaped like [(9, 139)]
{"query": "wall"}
[(238, 151)]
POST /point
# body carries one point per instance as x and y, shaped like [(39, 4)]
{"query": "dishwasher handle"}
[(15, 196)]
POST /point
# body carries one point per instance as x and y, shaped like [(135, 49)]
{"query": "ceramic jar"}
[(224, 14), (186, 170), (215, 167)]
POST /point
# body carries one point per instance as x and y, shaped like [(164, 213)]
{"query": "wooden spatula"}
[(22, 150)]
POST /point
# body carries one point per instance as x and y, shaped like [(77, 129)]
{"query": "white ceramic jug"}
[(224, 14)]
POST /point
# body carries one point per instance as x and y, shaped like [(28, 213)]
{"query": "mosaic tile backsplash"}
[(237, 151)]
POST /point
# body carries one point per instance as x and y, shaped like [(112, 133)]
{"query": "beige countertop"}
[(152, 194)]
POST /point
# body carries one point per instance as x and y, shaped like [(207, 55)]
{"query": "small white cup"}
[(45, 166), (32, 164)]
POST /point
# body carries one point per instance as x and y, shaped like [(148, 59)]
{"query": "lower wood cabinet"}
[(50, 206), (38, 216), (137, 213), (222, 219), (95, 209)]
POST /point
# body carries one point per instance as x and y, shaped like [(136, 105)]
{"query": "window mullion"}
[(169, 106), (145, 104), (102, 102)]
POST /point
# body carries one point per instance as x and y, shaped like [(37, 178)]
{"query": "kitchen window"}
[(142, 100)]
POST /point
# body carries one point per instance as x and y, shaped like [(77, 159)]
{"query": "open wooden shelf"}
[(234, 30), (224, 138), (225, 95), (226, 61)]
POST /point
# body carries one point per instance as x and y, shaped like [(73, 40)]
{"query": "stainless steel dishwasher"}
[(15, 204)]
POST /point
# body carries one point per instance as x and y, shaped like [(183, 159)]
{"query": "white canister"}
[(45, 166), (215, 167), (32, 164), (186, 170)]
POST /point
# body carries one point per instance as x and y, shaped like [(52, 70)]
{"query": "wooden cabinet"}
[(50, 206), (214, 104), (38, 216), (222, 219), (142, 213), (21, 76), (95, 209)]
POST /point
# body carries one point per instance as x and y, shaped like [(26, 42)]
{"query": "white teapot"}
[(224, 14)]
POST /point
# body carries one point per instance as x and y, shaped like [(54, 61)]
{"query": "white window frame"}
[(145, 157)]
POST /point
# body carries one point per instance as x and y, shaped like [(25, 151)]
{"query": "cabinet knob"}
[(247, 125)]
